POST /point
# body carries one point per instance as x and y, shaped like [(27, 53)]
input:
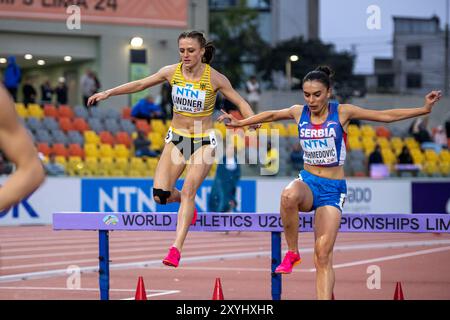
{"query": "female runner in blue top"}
[(321, 186)]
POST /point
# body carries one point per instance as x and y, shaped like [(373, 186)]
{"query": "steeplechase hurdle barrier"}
[(245, 222)]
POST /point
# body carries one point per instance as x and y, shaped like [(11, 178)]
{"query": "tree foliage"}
[(312, 53), (237, 40)]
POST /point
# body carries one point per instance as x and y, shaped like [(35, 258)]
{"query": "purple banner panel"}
[(430, 197), (253, 222)]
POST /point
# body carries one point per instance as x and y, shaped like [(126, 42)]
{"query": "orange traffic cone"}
[(398, 295), (140, 290), (217, 294)]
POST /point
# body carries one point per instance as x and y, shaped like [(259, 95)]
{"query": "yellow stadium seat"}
[(35, 110), (431, 155), (61, 160), (118, 173), (292, 129), (264, 129), (282, 131), (121, 164), (121, 151), (91, 150), (135, 173), (151, 163), (158, 126), (21, 110), (353, 130), (92, 164), (397, 142), (389, 157), (137, 164), (411, 143), (102, 173), (444, 156), (367, 131), (418, 156), (148, 174), (383, 142), (76, 166), (106, 150), (368, 143), (91, 137), (431, 168), (354, 143), (168, 124), (157, 140), (106, 163), (444, 167)]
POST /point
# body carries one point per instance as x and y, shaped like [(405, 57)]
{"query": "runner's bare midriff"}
[(192, 124), (335, 173)]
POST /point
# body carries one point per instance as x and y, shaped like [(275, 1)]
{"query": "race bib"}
[(169, 136), (318, 152), (188, 99)]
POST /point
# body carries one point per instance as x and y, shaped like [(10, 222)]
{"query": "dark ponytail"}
[(208, 45), (323, 74)]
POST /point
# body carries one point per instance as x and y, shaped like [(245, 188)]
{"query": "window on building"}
[(385, 81), (414, 80), (414, 52)]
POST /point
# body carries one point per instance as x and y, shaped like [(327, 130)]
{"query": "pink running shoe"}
[(173, 257), (194, 219), (290, 260)]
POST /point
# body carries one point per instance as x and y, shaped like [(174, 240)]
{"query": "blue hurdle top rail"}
[(246, 222)]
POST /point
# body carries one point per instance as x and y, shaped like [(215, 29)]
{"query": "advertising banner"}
[(431, 197), (56, 194), (363, 196), (136, 195), (167, 13)]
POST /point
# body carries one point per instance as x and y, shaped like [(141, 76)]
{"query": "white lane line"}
[(233, 256), (156, 294), (138, 257), (393, 257), (94, 237), (389, 245), (114, 249), (125, 244), (64, 289), (151, 293), (221, 247)]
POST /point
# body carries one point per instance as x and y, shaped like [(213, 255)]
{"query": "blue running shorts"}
[(326, 192)]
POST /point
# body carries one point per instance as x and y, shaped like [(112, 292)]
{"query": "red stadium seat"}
[(59, 149), (123, 137), (65, 112), (66, 124), (81, 125), (106, 138), (383, 132), (44, 148), (142, 125), (50, 111), (75, 150), (126, 113)]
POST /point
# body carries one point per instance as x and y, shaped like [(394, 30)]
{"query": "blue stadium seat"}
[(59, 137), (81, 112), (34, 124), (75, 137), (96, 125), (50, 123)]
